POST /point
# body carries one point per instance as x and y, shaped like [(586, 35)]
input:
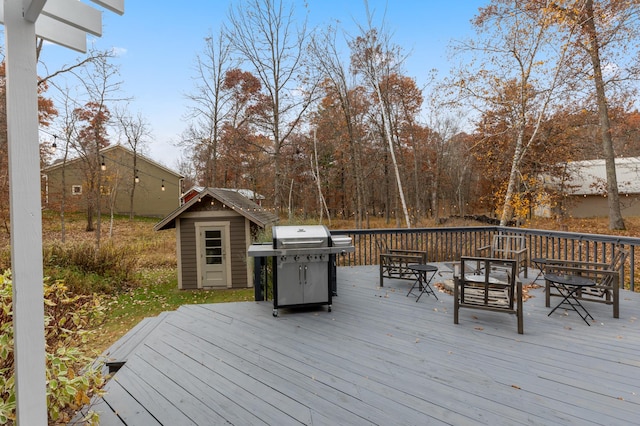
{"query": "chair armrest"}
[(403, 251), (407, 252), (481, 250), (520, 251), (399, 256), (591, 273), (575, 264)]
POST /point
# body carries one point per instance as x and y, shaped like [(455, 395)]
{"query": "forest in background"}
[(328, 125)]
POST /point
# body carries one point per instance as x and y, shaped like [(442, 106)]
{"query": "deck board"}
[(381, 358)]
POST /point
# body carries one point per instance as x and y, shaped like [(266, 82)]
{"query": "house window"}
[(76, 189)]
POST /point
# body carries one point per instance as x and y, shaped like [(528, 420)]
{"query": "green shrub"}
[(72, 378)]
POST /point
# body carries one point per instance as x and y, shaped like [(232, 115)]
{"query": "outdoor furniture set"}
[(492, 282)]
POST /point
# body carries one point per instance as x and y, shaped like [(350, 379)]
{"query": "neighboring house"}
[(156, 189), (586, 188), (214, 230)]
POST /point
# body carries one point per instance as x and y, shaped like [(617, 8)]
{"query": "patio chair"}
[(500, 291), (508, 247), (394, 262), (605, 275)]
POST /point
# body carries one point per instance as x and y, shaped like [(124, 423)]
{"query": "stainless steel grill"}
[(304, 272)]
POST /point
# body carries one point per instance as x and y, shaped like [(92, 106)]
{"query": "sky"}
[(157, 44)]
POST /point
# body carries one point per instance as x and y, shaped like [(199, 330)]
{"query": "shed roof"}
[(230, 198), (589, 177)]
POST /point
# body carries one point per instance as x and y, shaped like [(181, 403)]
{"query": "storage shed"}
[(213, 232), (586, 188)]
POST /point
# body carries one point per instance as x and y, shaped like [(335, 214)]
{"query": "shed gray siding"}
[(188, 254), (238, 252)]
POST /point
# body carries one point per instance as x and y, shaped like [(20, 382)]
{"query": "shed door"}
[(213, 243)]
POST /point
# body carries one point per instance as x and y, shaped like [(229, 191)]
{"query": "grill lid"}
[(301, 236)]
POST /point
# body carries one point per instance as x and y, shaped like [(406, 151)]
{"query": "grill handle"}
[(293, 243)]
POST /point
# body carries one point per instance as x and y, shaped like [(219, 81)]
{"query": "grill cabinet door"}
[(316, 282), (301, 282), (290, 286)]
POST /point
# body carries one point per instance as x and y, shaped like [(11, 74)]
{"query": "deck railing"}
[(449, 243)]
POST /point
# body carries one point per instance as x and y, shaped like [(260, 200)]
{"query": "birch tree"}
[(376, 58), (516, 70)]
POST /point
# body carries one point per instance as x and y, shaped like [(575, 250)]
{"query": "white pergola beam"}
[(75, 14), (60, 33), (32, 9), (116, 6)]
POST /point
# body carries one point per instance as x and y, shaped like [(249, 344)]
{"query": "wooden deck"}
[(379, 358)]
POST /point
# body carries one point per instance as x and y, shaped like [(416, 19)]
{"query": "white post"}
[(26, 219)]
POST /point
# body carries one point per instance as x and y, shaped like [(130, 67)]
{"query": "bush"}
[(72, 378), (86, 269)]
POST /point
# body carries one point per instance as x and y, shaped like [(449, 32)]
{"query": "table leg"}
[(540, 273), (426, 286), (569, 292), (418, 281)]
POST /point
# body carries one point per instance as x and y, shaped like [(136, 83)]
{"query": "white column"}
[(26, 219)]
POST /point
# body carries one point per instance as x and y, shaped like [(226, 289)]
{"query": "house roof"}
[(108, 149), (589, 177), (230, 198)]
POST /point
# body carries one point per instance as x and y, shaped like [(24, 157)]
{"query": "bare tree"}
[(208, 107), (264, 33), (326, 59), (68, 129), (135, 130), (376, 58), (102, 88)]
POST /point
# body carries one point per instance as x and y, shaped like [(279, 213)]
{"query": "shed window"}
[(213, 244), (76, 189)]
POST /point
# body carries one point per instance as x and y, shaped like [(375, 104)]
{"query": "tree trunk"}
[(133, 184), (616, 221), (63, 199), (90, 227), (507, 208), (387, 124)]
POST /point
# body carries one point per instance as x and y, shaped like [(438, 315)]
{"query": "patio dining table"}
[(568, 285)]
